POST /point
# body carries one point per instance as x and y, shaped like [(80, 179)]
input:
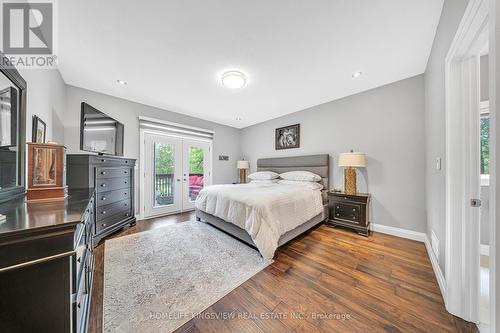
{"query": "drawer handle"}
[(103, 224), (126, 171), (78, 305), (345, 198), (126, 182), (103, 185), (103, 160), (126, 204), (354, 217), (103, 172), (354, 209), (103, 198), (79, 259), (338, 214), (126, 161), (125, 193), (338, 207), (103, 212), (127, 214)]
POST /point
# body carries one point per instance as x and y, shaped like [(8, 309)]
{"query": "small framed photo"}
[(39, 130), (287, 137)]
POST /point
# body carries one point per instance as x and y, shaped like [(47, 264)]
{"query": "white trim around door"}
[(462, 162), (179, 184)]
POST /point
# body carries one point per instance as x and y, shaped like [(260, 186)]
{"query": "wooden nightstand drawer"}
[(347, 212)]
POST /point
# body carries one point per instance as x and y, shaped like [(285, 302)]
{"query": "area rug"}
[(157, 280)]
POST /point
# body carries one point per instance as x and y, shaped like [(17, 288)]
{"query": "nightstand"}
[(350, 211)]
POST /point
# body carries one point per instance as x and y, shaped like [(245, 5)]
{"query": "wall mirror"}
[(12, 131)]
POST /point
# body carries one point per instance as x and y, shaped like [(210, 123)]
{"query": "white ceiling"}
[(296, 54)]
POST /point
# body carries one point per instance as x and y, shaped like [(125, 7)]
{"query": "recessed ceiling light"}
[(121, 82), (356, 75), (233, 79)]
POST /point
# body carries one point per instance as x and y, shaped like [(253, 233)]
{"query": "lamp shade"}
[(243, 164), (352, 159)]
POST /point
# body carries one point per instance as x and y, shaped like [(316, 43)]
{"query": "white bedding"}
[(265, 210)]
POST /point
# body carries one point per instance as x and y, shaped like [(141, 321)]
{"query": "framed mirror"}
[(12, 131)]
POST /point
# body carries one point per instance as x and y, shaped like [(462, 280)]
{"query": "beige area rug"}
[(157, 280)]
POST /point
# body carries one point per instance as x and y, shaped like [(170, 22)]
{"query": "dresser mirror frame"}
[(13, 75)]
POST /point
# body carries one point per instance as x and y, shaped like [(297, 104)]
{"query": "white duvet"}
[(266, 211)]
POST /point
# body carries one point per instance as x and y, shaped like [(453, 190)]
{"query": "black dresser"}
[(46, 264), (113, 180)]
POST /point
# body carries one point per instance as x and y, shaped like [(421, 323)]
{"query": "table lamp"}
[(243, 166), (350, 161)]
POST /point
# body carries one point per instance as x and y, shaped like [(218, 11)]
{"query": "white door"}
[(162, 175), (196, 156), (175, 171)]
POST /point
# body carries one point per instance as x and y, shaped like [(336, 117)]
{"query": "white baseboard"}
[(420, 237), (435, 267), (484, 250), (403, 233)]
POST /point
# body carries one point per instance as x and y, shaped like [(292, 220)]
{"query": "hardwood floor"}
[(327, 280)]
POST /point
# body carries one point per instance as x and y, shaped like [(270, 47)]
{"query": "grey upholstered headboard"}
[(318, 164)]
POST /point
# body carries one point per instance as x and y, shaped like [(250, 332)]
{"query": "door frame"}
[(142, 159), (462, 175)]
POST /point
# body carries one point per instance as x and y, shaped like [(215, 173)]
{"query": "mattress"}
[(265, 211)]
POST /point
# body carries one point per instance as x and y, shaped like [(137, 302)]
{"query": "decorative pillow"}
[(303, 176), (311, 185), (264, 181), (263, 175)]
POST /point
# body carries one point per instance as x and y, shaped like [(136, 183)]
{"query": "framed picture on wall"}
[(287, 137), (39, 130)]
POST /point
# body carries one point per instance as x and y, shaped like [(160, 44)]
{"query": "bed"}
[(277, 213)]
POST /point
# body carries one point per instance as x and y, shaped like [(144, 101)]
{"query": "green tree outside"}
[(164, 159), (485, 145)]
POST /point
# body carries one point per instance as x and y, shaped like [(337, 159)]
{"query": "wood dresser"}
[(46, 264), (113, 180), (350, 211)]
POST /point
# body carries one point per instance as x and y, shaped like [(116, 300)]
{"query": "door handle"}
[(475, 203)]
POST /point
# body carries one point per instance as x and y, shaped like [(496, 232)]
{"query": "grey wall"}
[(226, 139), (386, 123), (47, 99), (435, 120)]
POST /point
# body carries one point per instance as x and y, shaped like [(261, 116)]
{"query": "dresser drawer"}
[(111, 161), (107, 211), (79, 260), (102, 173), (79, 307), (106, 184), (347, 212), (348, 198), (111, 221), (106, 198)]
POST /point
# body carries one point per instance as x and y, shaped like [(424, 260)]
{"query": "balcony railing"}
[(164, 189)]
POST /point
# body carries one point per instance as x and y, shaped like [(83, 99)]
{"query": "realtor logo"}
[(27, 28)]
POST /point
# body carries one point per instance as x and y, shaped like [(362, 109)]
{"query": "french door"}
[(175, 171)]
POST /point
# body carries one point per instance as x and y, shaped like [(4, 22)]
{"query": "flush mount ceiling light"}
[(356, 75), (121, 82), (233, 79)]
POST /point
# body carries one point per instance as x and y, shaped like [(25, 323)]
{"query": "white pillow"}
[(303, 176), (264, 181), (310, 185), (263, 175)]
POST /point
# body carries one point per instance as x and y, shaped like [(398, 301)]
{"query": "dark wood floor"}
[(327, 280)]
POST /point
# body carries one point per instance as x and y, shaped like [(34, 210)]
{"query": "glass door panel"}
[(196, 170), (164, 174), (163, 170)]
